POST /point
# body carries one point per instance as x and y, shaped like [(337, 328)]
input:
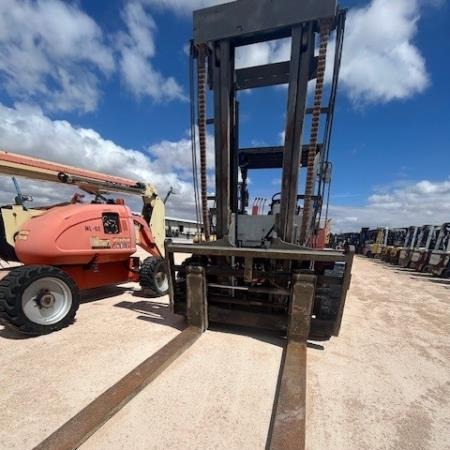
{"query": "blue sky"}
[(104, 84)]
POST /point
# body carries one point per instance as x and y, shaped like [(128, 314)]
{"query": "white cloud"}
[(42, 193), (170, 155), (263, 53), (52, 50), (380, 61), (424, 202), (54, 54), (136, 51), (28, 131), (183, 6)]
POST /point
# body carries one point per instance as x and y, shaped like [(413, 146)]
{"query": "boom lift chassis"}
[(280, 285)]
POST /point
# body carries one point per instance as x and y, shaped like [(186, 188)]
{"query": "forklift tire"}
[(38, 300), (153, 275)]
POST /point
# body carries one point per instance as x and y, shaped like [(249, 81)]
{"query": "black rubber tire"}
[(147, 275), (11, 291)]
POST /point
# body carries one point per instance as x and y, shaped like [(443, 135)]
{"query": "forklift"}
[(261, 271), (363, 237), (339, 241), (439, 263), (420, 255), (396, 238), (381, 241), (247, 275), (369, 240), (411, 239)]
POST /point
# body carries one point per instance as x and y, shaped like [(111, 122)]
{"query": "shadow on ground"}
[(269, 337), (12, 334), (92, 295), (421, 275), (154, 312), (443, 281)]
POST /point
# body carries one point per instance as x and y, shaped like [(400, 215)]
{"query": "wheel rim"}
[(46, 301), (161, 281)]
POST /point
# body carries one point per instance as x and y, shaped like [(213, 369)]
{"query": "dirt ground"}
[(383, 384)]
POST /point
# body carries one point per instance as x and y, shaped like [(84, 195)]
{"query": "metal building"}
[(177, 227)]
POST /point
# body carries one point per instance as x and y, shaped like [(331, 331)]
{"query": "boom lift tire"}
[(38, 299), (153, 276)]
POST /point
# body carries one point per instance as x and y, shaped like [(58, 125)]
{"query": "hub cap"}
[(46, 301)]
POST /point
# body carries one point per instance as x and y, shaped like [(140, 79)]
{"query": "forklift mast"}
[(411, 237), (218, 32)]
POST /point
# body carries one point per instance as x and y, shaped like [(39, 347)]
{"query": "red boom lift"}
[(68, 247)]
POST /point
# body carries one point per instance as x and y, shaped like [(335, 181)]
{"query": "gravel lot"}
[(383, 384)]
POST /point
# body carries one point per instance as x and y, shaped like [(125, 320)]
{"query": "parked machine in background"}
[(363, 237), (420, 255), (396, 239), (340, 241), (374, 239), (439, 262), (370, 238), (381, 240), (410, 243), (76, 245)]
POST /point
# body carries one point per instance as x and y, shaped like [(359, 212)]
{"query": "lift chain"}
[(315, 123), (201, 74)]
